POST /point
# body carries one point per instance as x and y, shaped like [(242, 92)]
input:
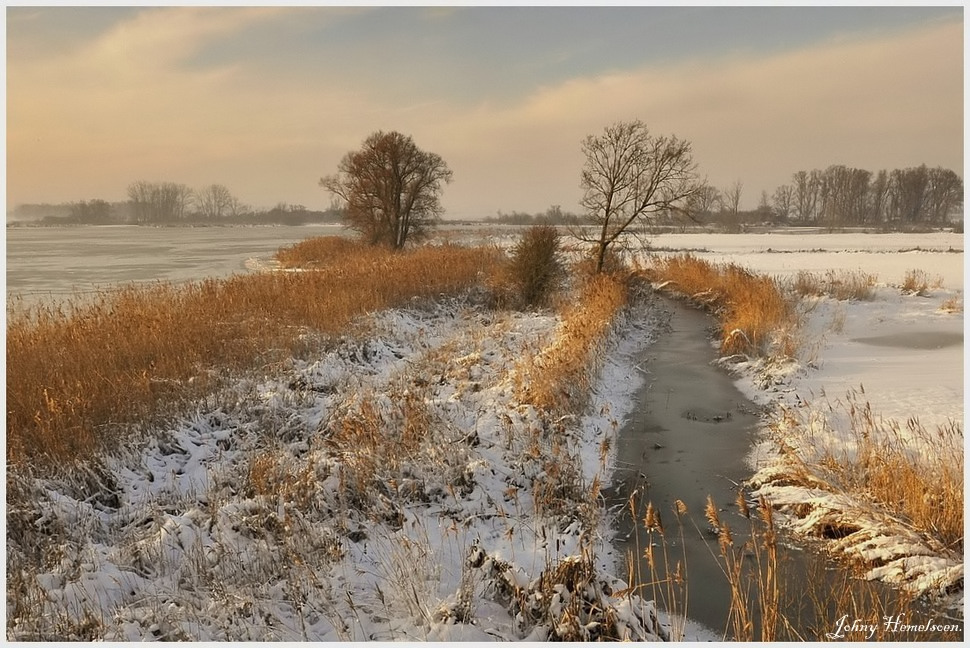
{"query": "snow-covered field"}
[(253, 518)]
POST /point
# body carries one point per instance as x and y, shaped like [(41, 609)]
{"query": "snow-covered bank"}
[(892, 365), (257, 519), (887, 372)]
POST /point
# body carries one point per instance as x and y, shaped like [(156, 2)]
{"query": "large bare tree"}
[(631, 175), (390, 189)]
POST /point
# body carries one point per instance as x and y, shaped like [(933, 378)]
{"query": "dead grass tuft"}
[(917, 282), (838, 284), (571, 601), (952, 305)]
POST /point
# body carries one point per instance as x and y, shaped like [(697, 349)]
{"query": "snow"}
[(192, 548), (897, 358), (178, 538)]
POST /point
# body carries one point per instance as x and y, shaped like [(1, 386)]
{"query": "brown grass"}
[(755, 318), (838, 284), (917, 282), (79, 374), (769, 603), (321, 251), (557, 379), (910, 472), (952, 305)]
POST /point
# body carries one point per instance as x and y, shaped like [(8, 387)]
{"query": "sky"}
[(266, 100)]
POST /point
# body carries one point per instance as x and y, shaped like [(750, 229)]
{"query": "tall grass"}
[(558, 378), (79, 374), (770, 602), (917, 282), (321, 251), (755, 317), (904, 471), (841, 285)]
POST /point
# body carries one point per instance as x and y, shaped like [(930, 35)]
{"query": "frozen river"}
[(52, 263)]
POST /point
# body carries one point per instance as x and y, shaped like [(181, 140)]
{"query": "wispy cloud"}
[(878, 103), (146, 98)]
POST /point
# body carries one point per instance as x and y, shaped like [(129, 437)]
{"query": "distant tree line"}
[(842, 196), (553, 215), (170, 203)]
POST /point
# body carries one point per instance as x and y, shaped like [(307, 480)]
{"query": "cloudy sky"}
[(266, 100)]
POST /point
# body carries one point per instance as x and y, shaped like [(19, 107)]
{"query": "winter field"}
[(275, 509)]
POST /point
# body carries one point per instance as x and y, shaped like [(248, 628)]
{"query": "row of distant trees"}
[(171, 202), (837, 196), (845, 196), (554, 215), (842, 196), (165, 203)]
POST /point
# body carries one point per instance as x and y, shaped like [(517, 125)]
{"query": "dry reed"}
[(79, 374), (910, 472), (755, 318), (917, 282), (557, 379), (770, 603), (841, 285)]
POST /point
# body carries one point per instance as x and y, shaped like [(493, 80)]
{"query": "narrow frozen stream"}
[(688, 438)]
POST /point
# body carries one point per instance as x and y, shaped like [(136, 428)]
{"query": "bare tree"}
[(807, 190), (846, 192), (908, 193), (390, 189), (782, 201), (140, 198), (706, 201), (154, 202), (94, 211), (631, 175), (945, 194), (732, 197), (215, 201), (878, 196)]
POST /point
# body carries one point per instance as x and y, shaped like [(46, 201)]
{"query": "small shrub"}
[(536, 271)]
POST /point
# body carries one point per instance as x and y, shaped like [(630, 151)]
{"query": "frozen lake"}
[(51, 263)]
